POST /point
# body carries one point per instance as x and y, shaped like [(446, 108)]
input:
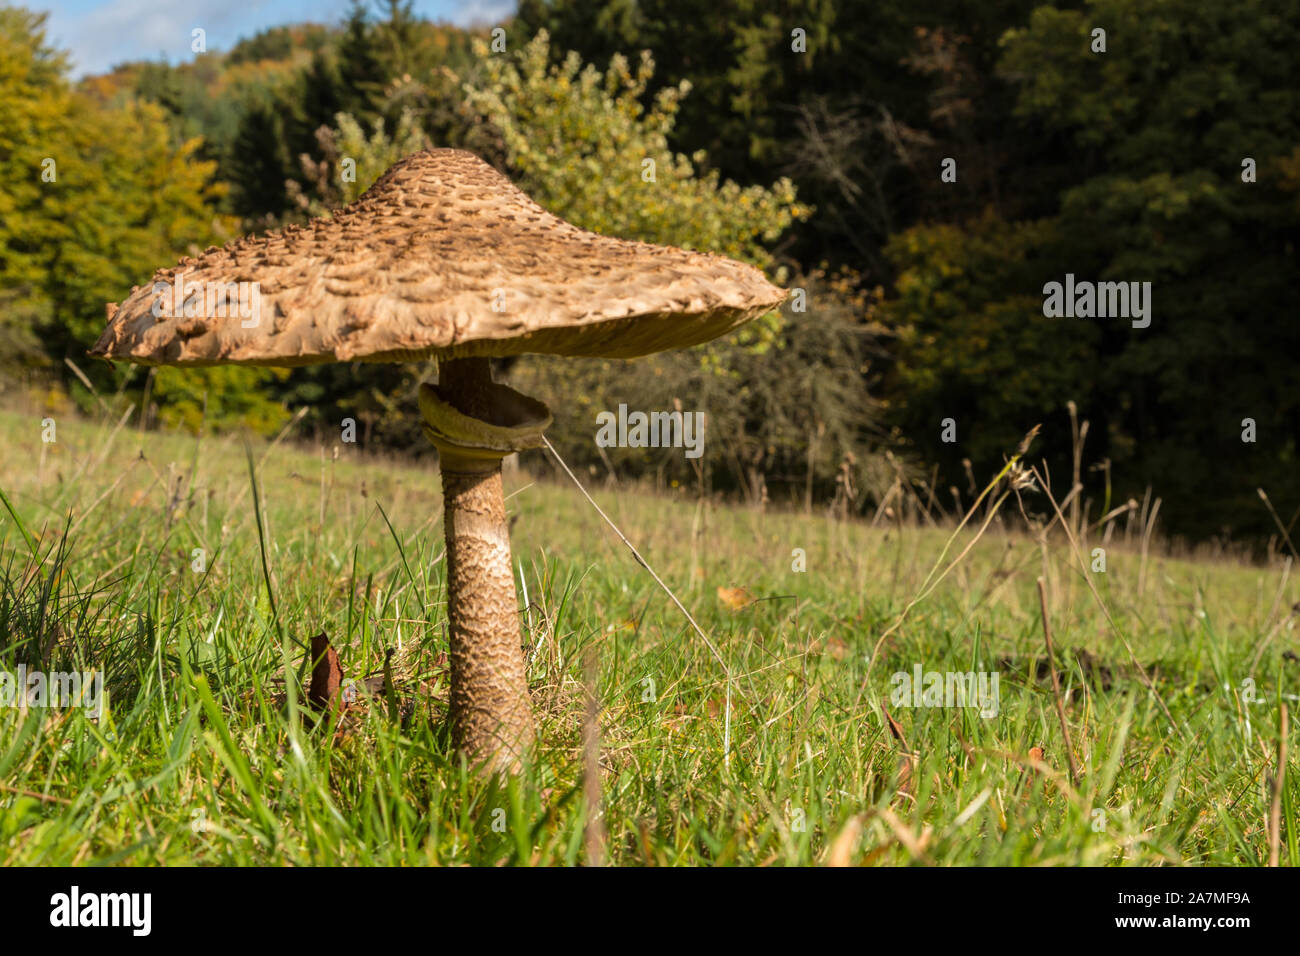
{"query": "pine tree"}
[(361, 67), (258, 164)]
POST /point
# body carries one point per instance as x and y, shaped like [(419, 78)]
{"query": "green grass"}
[(205, 756)]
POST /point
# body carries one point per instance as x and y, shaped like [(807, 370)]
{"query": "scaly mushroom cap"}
[(442, 257)]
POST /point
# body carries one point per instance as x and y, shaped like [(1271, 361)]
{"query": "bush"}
[(782, 420)]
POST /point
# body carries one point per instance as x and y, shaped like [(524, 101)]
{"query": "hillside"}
[(776, 751)]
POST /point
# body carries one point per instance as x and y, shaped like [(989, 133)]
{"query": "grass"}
[(206, 754)]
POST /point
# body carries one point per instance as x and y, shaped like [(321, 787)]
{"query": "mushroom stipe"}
[(443, 258)]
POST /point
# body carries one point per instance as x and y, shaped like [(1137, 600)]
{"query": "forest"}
[(918, 174)]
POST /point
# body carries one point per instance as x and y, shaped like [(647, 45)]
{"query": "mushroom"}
[(444, 258)]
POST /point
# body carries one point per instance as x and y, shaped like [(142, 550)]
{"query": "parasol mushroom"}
[(444, 258)]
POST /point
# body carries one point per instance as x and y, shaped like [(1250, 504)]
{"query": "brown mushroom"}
[(444, 258)]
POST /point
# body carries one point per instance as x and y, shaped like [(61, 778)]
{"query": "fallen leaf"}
[(906, 760), (735, 598), (846, 843), (326, 673), (1036, 756), (915, 845), (895, 727)]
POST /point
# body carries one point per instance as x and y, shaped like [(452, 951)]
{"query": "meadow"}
[(157, 560)]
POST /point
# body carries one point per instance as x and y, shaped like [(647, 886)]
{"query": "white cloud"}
[(470, 13), (140, 29), (101, 33)]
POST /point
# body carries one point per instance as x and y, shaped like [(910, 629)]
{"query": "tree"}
[(101, 196), (581, 142), (585, 147), (258, 165), (1152, 136), (361, 65), (972, 344)]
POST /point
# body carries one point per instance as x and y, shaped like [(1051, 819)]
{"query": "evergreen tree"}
[(362, 70), (259, 165)]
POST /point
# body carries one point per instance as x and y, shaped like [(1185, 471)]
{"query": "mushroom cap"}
[(442, 257)]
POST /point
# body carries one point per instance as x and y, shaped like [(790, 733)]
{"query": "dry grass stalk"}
[(1286, 534), (1016, 476), (594, 826), (1279, 779), (846, 843), (1110, 619), (726, 742), (1056, 683)]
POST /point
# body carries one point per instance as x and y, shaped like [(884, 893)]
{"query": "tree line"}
[(922, 170)]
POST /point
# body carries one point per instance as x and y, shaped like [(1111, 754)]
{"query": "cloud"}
[(101, 33), (120, 30), (470, 13)]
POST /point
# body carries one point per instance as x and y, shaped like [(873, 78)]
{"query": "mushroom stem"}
[(491, 714)]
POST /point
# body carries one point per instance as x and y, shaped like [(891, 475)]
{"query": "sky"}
[(101, 33)]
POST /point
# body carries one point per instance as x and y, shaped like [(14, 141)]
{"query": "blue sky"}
[(100, 33)]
